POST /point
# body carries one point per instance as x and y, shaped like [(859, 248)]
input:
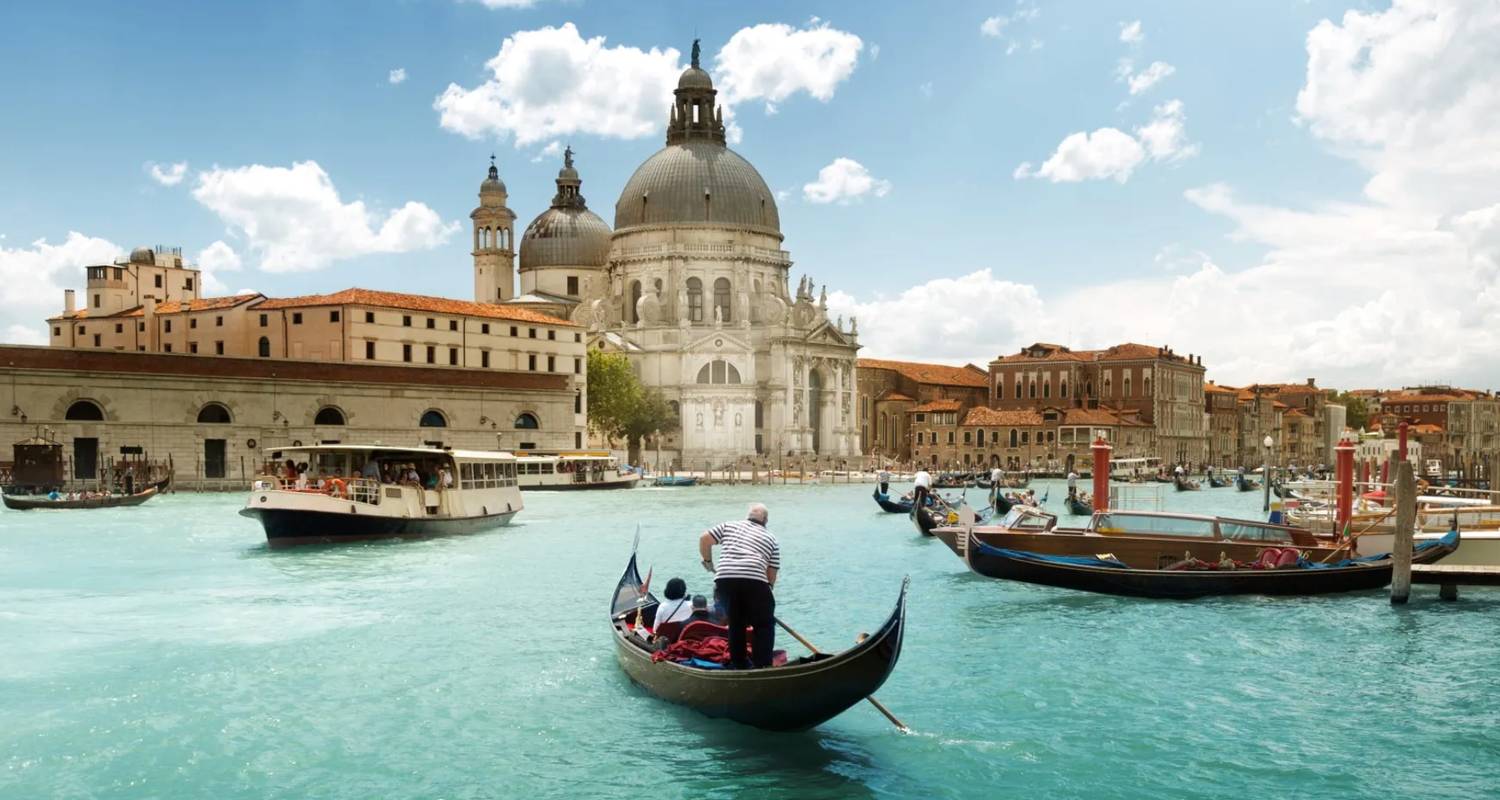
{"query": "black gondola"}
[(35, 503), (1109, 576), (893, 506), (1079, 507), (1216, 482), (928, 517), (1245, 484), (1001, 502), (803, 693), (1185, 485)]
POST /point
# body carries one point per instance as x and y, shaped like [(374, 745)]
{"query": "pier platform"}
[(1449, 577)]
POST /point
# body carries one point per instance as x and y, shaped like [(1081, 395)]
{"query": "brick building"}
[(889, 391)]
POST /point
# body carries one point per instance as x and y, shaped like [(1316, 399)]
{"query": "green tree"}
[(614, 392), (650, 416), (1356, 413)]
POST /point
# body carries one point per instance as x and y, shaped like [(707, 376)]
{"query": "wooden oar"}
[(1351, 539), (879, 706)]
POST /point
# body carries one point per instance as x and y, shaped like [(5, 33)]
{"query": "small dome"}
[(143, 255), (697, 181), (565, 237), (492, 184), (694, 78)]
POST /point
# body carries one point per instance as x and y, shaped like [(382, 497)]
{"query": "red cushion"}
[(702, 629)]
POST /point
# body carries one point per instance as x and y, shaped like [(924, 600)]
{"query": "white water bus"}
[(335, 502), (573, 469)]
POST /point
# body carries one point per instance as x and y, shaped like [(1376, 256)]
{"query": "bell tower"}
[(494, 242)]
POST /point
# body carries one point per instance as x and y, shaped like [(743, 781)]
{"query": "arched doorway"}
[(815, 408)]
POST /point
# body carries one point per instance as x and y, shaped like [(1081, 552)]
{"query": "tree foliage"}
[(1356, 412), (620, 407)]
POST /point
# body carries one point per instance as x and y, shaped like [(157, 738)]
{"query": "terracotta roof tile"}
[(895, 397), (940, 374), (981, 415), (1213, 388), (1395, 399), (1097, 416), (1426, 428), (171, 307), (414, 302), (939, 405)]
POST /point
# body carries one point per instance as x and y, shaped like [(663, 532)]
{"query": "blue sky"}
[(1252, 203)]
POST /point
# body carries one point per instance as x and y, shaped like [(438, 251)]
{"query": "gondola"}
[(675, 480), (1245, 484), (1001, 502), (24, 503), (1216, 482), (803, 693), (1079, 507), (898, 506), (1185, 485), (928, 517), (1107, 575)]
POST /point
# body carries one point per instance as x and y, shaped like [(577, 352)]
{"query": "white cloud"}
[(1131, 33), (925, 88), (551, 151), (998, 26), (171, 175), (993, 26), (552, 82), (214, 259), (924, 323), (843, 181), (1146, 78), (293, 217), (32, 280), (397, 75), (507, 3), (874, 52), (1110, 153), (771, 62)]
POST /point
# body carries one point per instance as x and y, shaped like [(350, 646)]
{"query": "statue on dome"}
[(696, 53), (568, 157)]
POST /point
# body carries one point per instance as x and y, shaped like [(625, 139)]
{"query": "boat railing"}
[(359, 490)]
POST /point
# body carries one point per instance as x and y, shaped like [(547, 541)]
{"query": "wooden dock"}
[(1449, 577)]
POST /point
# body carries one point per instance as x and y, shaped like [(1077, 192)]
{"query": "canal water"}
[(163, 651)]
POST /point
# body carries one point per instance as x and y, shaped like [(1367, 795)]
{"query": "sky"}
[(1290, 188)]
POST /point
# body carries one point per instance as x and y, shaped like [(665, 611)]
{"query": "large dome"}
[(565, 237), (697, 182)]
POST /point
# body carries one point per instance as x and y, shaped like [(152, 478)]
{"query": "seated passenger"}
[(676, 607)]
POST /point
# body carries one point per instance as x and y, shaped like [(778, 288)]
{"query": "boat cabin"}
[(412, 482), (580, 469)]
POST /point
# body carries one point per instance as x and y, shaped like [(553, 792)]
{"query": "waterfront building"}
[(1162, 389), (1307, 437), (1048, 439), (696, 294), (889, 391), (1222, 409)]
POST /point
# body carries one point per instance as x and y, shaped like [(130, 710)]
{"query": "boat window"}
[(1148, 524), (1245, 531), (547, 468), (466, 474)]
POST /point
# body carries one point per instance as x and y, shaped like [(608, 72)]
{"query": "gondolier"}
[(884, 477), (749, 560)]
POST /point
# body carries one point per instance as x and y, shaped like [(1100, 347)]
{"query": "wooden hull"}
[(800, 695), (1180, 585), (1141, 552), (613, 483), (673, 480), (892, 506), (1078, 508), (20, 503)]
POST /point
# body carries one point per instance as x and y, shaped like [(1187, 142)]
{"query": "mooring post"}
[(1101, 450), (1406, 514), (1344, 470)]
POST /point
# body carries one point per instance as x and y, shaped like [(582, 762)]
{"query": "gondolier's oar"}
[(879, 706), (1350, 540)]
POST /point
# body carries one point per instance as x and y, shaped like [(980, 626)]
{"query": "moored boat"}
[(40, 502), (482, 494), (1109, 575), (675, 480), (803, 693), (571, 471)]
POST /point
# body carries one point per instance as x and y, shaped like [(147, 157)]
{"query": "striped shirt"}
[(747, 549)]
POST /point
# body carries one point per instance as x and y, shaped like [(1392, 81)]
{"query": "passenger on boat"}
[(749, 560), (675, 608), (301, 485), (371, 469), (702, 611), (289, 471), (445, 478)]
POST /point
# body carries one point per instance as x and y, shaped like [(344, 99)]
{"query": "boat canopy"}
[(387, 450)]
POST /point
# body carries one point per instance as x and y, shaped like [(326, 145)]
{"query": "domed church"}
[(693, 286)]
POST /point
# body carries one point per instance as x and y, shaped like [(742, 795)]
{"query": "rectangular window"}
[(218, 348), (158, 281), (512, 330), (56, 331), (452, 324), (431, 354), (119, 274), (265, 320), (431, 323), (188, 284), (370, 317), (573, 285), (577, 337), (119, 328), (96, 340), (551, 363), (453, 356), (166, 348), (140, 327), (96, 301), (531, 362), (484, 328), (333, 316), (218, 322), (551, 336), (192, 347), (406, 353), (296, 317), (193, 323), (370, 351), (577, 366), (405, 320), (484, 358), (168, 326), (531, 332)]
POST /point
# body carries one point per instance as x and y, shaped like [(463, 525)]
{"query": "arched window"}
[(980, 438), (265, 347), (695, 300), (1018, 387), (1062, 388), (84, 411), (433, 418), (1047, 389), (1031, 387), (635, 299), (214, 414), (718, 371), (328, 415), (1127, 384), (526, 421), (1108, 386), (1013, 437), (721, 299)]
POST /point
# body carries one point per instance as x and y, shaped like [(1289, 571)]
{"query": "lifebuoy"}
[(338, 488)]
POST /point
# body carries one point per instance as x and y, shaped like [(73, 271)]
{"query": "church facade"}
[(693, 285)]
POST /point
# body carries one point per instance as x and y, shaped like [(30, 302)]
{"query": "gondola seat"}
[(698, 630)]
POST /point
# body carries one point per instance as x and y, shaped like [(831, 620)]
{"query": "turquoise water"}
[(164, 652)]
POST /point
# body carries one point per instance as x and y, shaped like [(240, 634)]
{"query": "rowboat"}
[(900, 506), (1185, 485), (675, 480), (38, 502), (803, 693), (1108, 575)]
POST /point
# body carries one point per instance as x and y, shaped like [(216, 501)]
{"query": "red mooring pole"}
[(1344, 472), (1401, 441), (1101, 450)]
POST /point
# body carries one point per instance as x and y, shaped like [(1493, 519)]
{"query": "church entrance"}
[(815, 408)]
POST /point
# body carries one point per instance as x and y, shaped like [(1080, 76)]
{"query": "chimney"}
[(1312, 382), (148, 316), (68, 302)]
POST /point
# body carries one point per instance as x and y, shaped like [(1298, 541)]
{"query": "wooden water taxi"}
[(86, 500), (418, 492)]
